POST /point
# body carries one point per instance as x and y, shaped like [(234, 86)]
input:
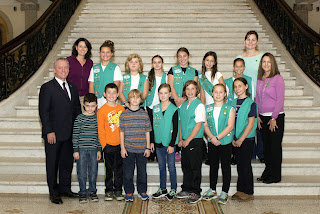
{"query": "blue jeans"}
[(258, 148), (128, 165), (87, 166), (163, 157)]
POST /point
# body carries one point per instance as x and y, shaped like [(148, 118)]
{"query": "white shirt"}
[(67, 86), (216, 113), (156, 100), (209, 99), (117, 76), (134, 81)]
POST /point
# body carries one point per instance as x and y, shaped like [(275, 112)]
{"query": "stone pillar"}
[(30, 13), (302, 11)]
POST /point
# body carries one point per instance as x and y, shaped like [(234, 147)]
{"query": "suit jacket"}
[(57, 112)]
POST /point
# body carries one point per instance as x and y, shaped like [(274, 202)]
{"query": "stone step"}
[(171, 5), (168, 11), (136, 47), (302, 111), (20, 122), (36, 165), (312, 123), (166, 1), (298, 136), (24, 136), (290, 185)]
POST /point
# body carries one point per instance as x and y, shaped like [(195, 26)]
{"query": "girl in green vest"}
[(192, 116), (219, 129), (179, 74), (165, 126), (133, 79), (245, 128), (209, 77), (238, 68), (156, 77), (104, 73)]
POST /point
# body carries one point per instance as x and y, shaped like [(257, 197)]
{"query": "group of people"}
[(125, 118)]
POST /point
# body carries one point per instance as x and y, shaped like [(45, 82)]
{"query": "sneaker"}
[(118, 195), (194, 198), (182, 194), (129, 197), (210, 194), (171, 195), (108, 196), (177, 157), (93, 197), (223, 199), (143, 196), (83, 199), (160, 193)]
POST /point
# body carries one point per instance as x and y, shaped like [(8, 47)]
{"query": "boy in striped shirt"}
[(135, 146), (86, 148)]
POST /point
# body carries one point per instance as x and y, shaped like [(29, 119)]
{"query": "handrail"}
[(31, 30), (22, 57), (300, 40)]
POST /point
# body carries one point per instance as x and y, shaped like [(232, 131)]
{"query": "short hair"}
[(238, 60), (225, 90), (109, 44), (88, 44), (90, 98), (130, 57), (251, 32), (134, 93), (186, 84), (245, 82), (60, 59), (274, 67), (111, 85), (164, 85)]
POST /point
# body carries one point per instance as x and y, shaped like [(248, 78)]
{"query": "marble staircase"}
[(150, 27)]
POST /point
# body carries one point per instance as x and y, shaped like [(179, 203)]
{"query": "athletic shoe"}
[(160, 193), (143, 196), (83, 199), (209, 194), (171, 195), (182, 194), (177, 157), (93, 197), (118, 195), (223, 198), (194, 198), (108, 196), (129, 197)]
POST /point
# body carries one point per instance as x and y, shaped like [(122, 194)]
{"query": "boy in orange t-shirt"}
[(109, 136)]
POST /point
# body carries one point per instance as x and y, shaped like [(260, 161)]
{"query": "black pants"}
[(243, 157), (150, 114), (222, 153), (113, 167), (191, 163), (59, 158), (272, 142)]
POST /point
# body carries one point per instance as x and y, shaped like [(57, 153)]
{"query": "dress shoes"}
[(260, 179), (270, 181), (56, 199), (70, 194), (245, 197)]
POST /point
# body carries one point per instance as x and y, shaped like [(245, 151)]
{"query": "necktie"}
[(65, 89)]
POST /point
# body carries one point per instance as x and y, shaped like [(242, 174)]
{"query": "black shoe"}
[(70, 194), (207, 162), (56, 199), (261, 160), (260, 179), (271, 181), (233, 160)]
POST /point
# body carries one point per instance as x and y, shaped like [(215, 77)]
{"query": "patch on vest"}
[(177, 70), (209, 108), (126, 76)]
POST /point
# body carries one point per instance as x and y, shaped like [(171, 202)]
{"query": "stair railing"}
[(21, 57), (300, 40)]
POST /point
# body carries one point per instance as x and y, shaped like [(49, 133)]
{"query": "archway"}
[(6, 29)]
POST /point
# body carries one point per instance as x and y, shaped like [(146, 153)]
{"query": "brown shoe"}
[(245, 197), (236, 196)]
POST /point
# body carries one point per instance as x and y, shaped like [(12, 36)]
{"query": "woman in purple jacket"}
[(270, 101), (80, 66)]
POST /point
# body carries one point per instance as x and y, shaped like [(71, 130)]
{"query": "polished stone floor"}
[(34, 204)]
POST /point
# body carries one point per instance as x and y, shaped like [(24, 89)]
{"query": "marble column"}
[(30, 13), (302, 11)]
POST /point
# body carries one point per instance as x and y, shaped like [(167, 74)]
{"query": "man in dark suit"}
[(58, 107)]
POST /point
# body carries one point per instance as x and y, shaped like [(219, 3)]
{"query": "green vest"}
[(153, 90), (229, 84), (162, 124), (127, 85), (242, 118), (179, 78), (206, 84), (102, 77), (187, 119), (222, 122)]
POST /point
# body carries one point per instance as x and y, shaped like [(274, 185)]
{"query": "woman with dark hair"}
[(80, 66), (270, 101), (252, 57)]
